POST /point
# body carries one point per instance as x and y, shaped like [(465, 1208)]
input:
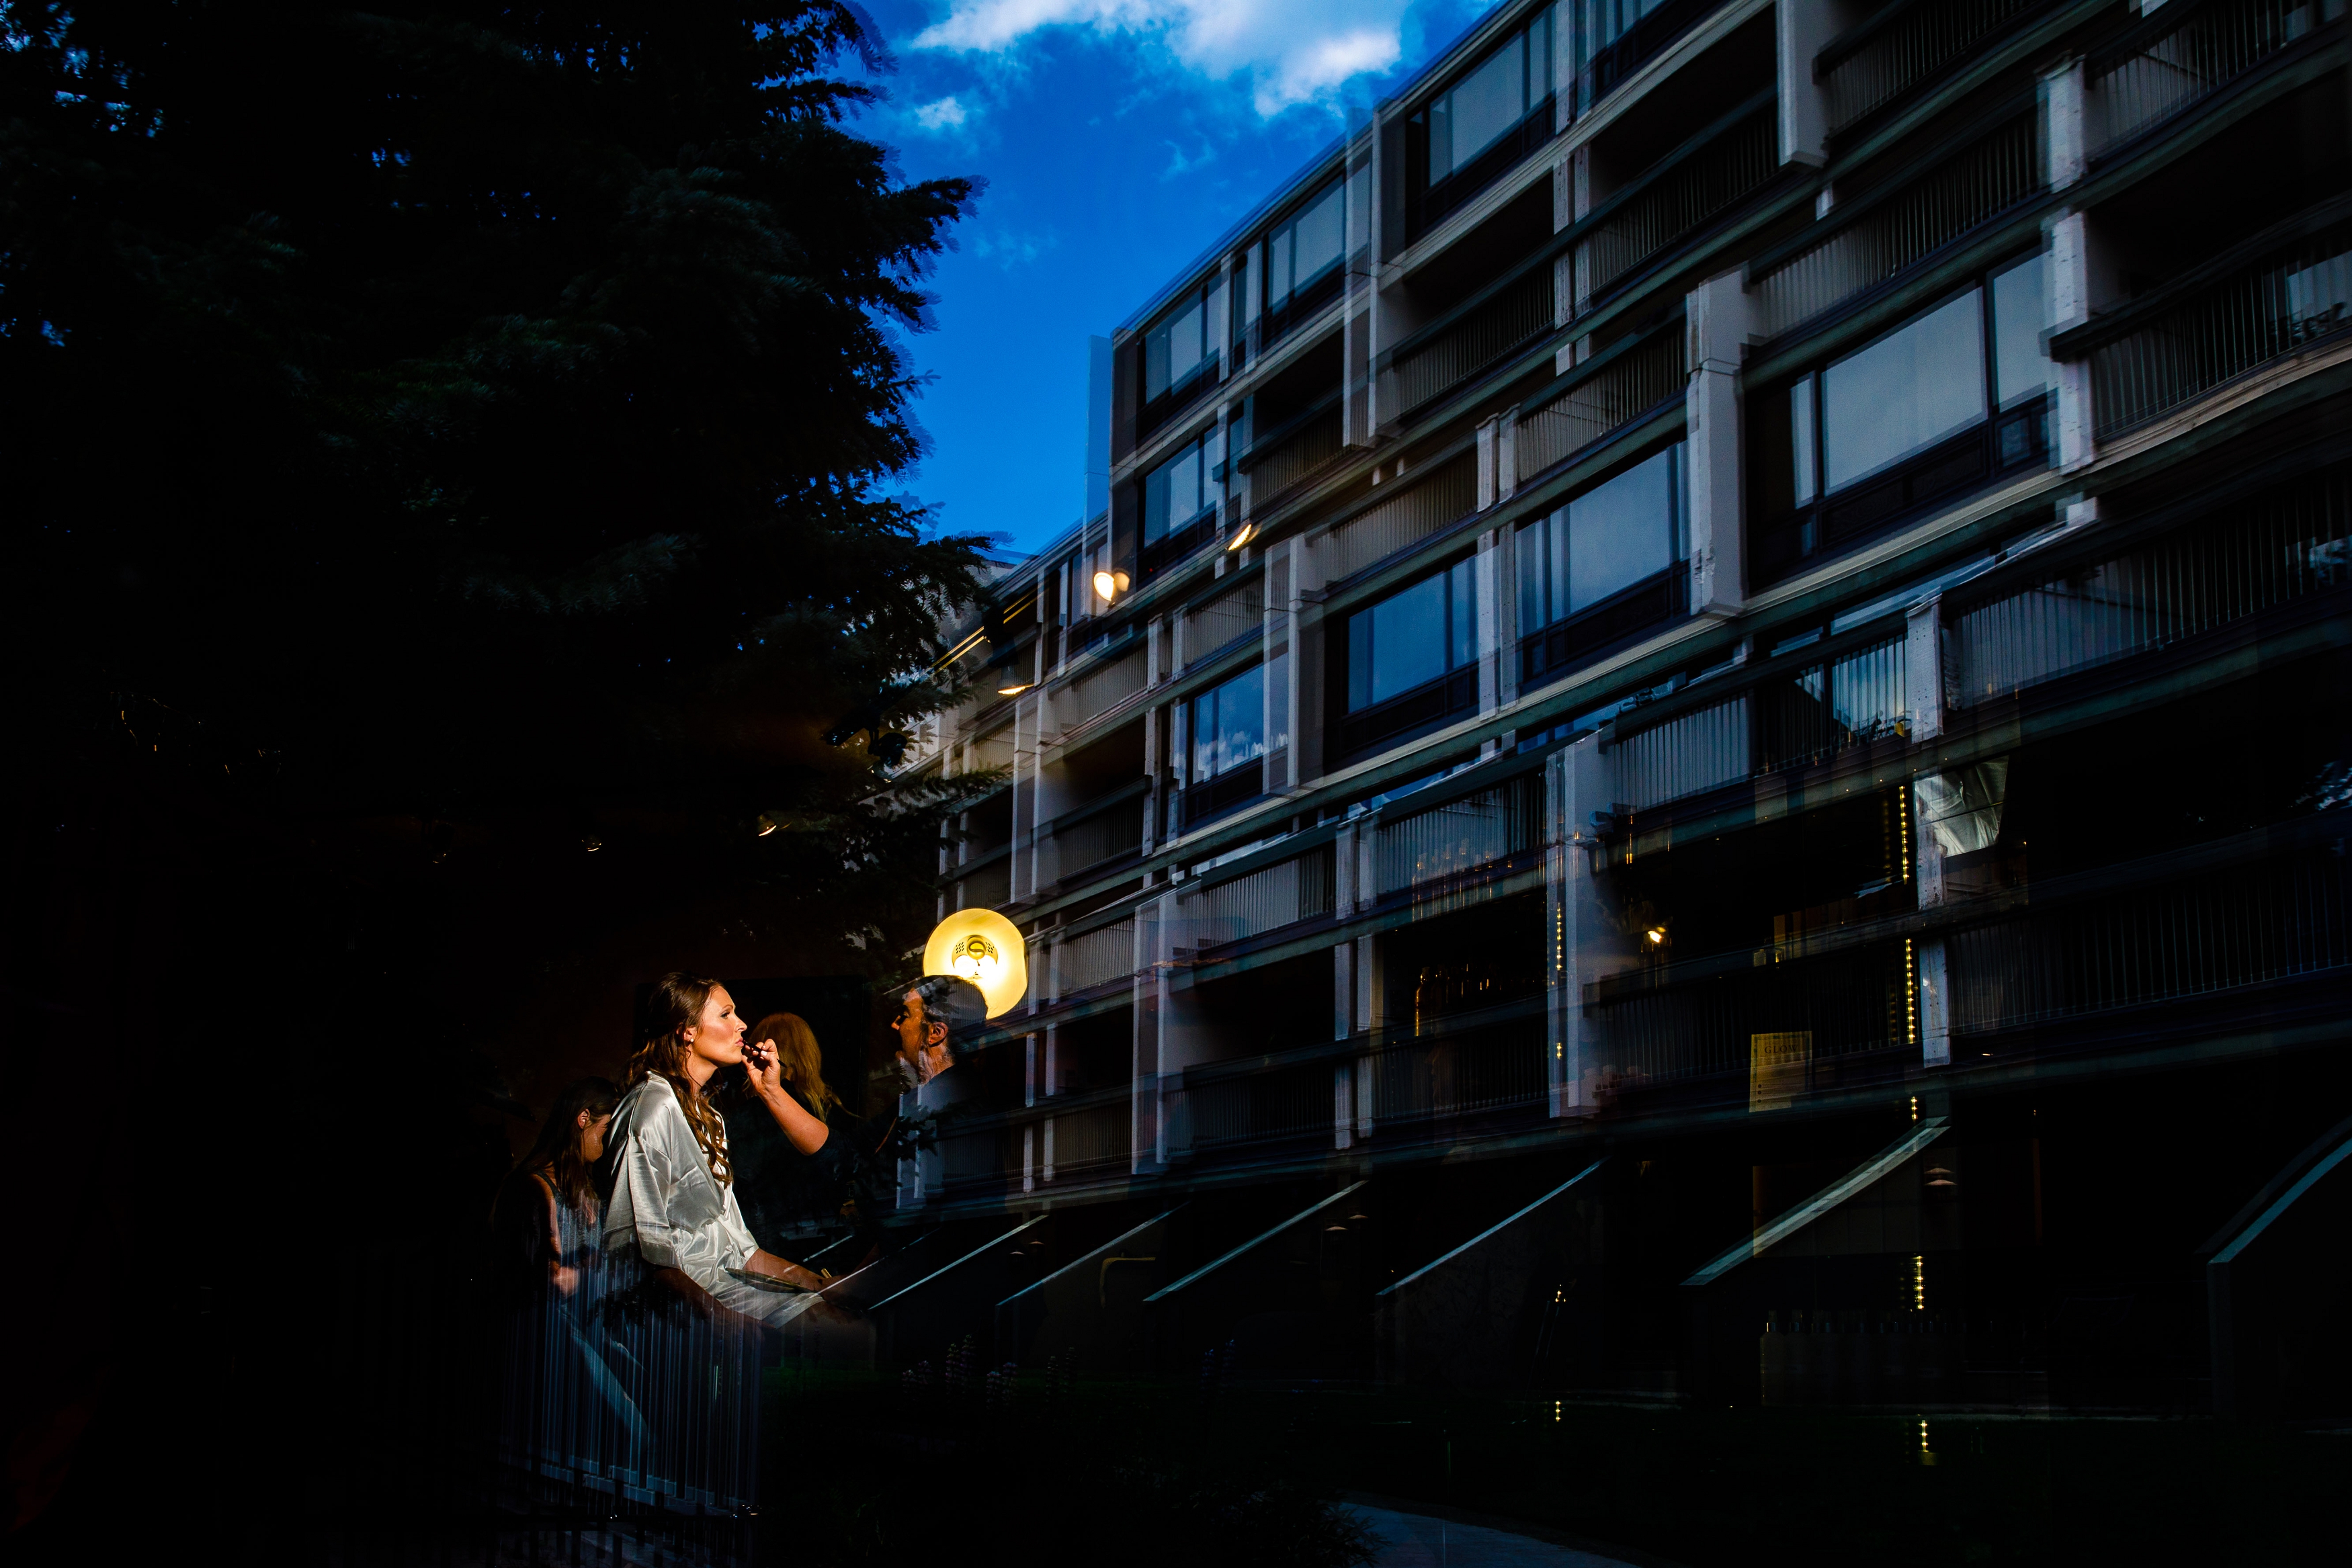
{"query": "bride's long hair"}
[(672, 1005)]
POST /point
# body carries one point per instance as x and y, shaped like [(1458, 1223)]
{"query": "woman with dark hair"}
[(546, 1210), (804, 1174), (563, 1403), (673, 1208)]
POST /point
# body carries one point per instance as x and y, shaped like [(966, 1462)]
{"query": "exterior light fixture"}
[(1110, 585), (985, 948), (1656, 936), (1242, 536), (1016, 689), (767, 824)]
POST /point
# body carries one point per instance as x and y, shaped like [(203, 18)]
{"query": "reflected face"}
[(592, 1135), (717, 1038), (913, 1031)]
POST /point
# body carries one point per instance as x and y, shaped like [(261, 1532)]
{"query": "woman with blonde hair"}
[(674, 1209)]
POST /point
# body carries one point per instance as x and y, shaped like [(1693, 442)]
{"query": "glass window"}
[(1603, 542), (1801, 430), (1181, 490), (1305, 247), (1229, 725), (1413, 637), (2021, 368), (1606, 21), (1485, 106), (1184, 342), (1911, 389)]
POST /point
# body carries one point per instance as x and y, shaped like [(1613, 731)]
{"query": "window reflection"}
[(1612, 537), (1904, 392), (1412, 638), (1179, 492), (1483, 107), (1229, 725)]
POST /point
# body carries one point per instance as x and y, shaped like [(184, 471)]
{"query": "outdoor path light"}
[(984, 949)]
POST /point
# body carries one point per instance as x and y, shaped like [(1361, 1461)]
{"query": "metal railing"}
[(1495, 824), (988, 886), (1258, 902), (1225, 619), (1218, 1110), (1611, 390), (1105, 686), (1477, 1070), (1113, 832), (1312, 445), (1811, 715), (1710, 181), (1095, 957), (1685, 756), (2220, 932), (1786, 1024), (2145, 81), (1089, 1142), (1887, 235), (1519, 314), (2282, 545), (1424, 505), (1904, 45), (2211, 334)]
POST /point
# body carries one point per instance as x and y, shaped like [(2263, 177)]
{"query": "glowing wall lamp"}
[(984, 949), (1110, 585)]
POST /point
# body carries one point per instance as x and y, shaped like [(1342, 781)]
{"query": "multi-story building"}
[(1701, 744)]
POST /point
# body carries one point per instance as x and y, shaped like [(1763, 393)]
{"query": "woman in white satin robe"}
[(673, 1211)]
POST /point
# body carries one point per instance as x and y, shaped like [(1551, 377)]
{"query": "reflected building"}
[(1699, 747)]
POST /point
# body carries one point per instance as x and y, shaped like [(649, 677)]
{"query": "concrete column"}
[(1488, 581), (2074, 293), (1586, 941), (1923, 665), (2066, 135), (1802, 27), (1490, 443), (1717, 320)]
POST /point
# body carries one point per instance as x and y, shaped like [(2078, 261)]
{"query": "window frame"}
[(1427, 200), (1301, 302), (1180, 541), (1212, 794), (1806, 523), (1209, 298), (1549, 649), (1417, 710)]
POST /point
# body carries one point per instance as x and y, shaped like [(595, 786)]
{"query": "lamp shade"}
[(984, 949)]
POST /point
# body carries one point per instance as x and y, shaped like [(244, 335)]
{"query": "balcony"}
[(1680, 195), (1411, 510), (1907, 45), (1613, 62), (1425, 708), (1637, 376), (1288, 457), (1482, 832), (1482, 332), (1098, 835), (1870, 240), (1242, 908), (2179, 55), (2283, 545), (2280, 292), (1488, 1067)]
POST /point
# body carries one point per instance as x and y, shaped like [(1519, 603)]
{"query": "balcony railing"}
[(1239, 1106), (2285, 544), (2219, 322), (1424, 505), (2182, 54), (1881, 235), (1095, 957), (1516, 315), (1108, 831), (1807, 717), (1258, 902), (1088, 1141), (1292, 456), (2243, 927), (1712, 179), (1105, 686), (1495, 825), (1225, 621), (1637, 376), (986, 887), (1563, 645), (1687, 755), (1482, 1065), (1786, 1026), (1904, 45)]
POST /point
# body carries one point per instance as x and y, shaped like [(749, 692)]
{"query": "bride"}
[(673, 1203)]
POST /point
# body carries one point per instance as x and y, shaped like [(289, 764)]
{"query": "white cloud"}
[(941, 114), (1009, 250), (1292, 52)]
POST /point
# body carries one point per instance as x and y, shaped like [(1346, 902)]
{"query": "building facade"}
[(1701, 746)]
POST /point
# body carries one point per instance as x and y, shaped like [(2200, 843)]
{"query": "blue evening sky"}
[(1118, 138)]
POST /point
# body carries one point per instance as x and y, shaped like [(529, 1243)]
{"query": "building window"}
[(1180, 352), (1487, 104), (1297, 265), (1956, 396), (1606, 565), (1412, 660), (1226, 764), (1179, 500)]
